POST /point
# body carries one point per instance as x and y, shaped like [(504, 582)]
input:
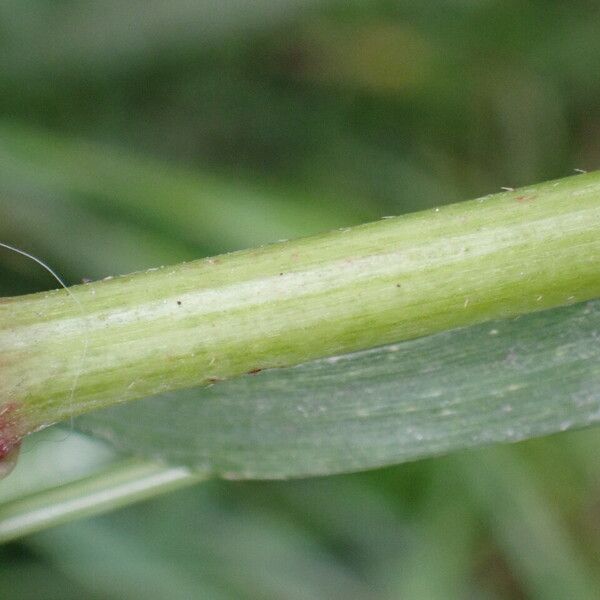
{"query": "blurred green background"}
[(139, 133)]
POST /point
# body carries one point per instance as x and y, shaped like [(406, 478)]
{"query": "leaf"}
[(166, 210), (501, 381), (542, 552), (121, 483)]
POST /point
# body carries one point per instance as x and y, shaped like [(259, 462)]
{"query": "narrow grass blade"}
[(124, 482)]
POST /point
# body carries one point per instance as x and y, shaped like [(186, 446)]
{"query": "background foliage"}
[(138, 133)]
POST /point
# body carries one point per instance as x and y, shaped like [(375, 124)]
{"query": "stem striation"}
[(289, 302)]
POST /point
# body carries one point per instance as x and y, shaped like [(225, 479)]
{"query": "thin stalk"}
[(124, 482), (286, 303)]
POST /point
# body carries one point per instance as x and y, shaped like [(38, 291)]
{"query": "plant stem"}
[(286, 303)]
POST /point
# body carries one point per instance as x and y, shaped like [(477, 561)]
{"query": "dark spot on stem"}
[(178, 302), (254, 371), (10, 434), (524, 198)]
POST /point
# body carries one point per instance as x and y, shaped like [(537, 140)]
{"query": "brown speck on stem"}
[(524, 198), (10, 437), (178, 302), (254, 371)]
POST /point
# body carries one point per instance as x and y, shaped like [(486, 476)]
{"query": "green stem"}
[(286, 303)]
